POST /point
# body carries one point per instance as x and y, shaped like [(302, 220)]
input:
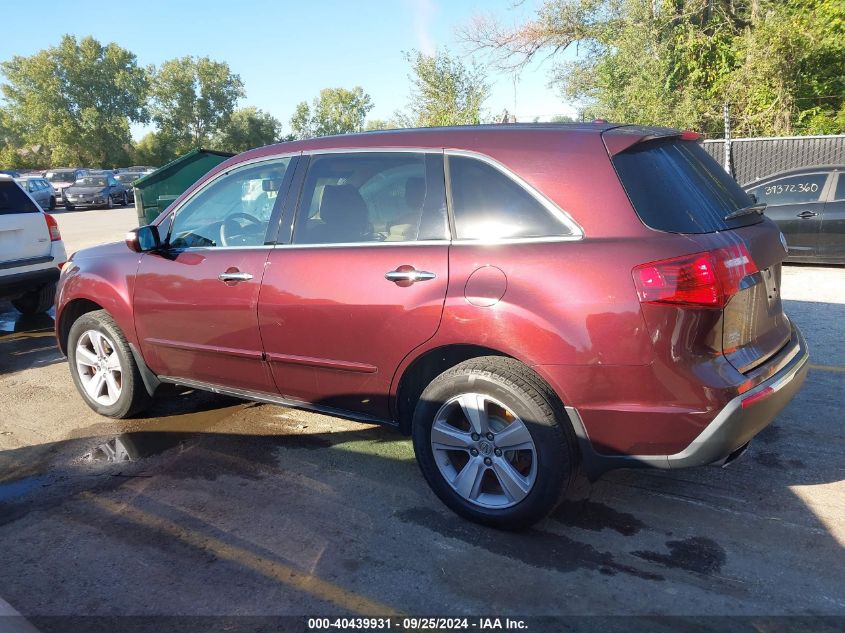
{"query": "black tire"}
[(125, 199), (37, 301), (517, 387), (133, 397), (52, 205), (69, 207), (109, 202)]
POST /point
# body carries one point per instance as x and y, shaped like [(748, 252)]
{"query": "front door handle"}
[(234, 276), (807, 214), (406, 275)]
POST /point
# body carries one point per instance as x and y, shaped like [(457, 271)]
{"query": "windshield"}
[(127, 177), (676, 186), (61, 176), (92, 181)]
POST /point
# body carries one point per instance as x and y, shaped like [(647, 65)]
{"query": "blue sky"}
[(286, 51)]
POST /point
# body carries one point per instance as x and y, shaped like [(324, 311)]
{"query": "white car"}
[(31, 250)]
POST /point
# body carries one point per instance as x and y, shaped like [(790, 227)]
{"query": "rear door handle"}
[(234, 276), (807, 214), (408, 275)]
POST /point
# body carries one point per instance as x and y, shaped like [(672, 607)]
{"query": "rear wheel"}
[(52, 204), (125, 199), (494, 443), (37, 301), (69, 207), (103, 368)]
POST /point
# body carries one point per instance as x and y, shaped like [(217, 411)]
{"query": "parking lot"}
[(235, 508)]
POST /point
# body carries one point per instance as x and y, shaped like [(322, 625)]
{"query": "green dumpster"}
[(154, 192)]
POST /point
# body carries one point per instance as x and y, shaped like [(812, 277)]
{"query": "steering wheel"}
[(229, 227)]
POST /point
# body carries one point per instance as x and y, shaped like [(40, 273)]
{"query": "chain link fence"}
[(753, 158)]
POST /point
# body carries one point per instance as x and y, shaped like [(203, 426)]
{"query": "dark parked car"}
[(40, 190), (523, 300), (96, 190), (808, 205), (127, 178)]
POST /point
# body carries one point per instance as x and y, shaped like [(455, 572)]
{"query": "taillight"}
[(53, 227), (706, 280)]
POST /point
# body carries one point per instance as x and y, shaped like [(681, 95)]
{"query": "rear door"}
[(360, 280), (796, 204), (832, 236), (24, 236)]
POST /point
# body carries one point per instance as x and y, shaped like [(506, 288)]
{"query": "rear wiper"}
[(757, 207)]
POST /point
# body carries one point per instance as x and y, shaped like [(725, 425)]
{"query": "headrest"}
[(343, 205), (415, 193)]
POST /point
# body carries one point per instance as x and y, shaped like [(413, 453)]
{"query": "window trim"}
[(824, 193), (275, 214), (839, 176), (559, 214)]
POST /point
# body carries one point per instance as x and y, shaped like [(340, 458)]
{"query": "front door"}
[(196, 300), (362, 281), (796, 204)]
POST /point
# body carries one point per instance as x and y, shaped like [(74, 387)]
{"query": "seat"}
[(406, 227), (344, 217)]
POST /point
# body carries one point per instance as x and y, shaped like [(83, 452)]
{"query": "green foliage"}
[(155, 148), (193, 98), (248, 128), (72, 103), (444, 91), (335, 111), (780, 64)]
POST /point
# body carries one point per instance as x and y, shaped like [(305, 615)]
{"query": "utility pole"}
[(727, 115)]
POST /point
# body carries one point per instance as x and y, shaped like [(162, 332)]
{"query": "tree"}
[(155, 148), (335, 111), (248, 128), (780, 64), (75, 101), (444, 91), (193, 99)]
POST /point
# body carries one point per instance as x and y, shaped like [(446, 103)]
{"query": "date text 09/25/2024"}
[(418, 624)]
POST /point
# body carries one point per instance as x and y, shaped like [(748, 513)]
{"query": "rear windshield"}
[(14, 200), (676, 186)]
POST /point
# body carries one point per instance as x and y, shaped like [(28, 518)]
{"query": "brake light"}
[(689, 135), (706, 280), (53, 227)]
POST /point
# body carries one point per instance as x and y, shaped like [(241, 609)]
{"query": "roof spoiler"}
[(618, 139)]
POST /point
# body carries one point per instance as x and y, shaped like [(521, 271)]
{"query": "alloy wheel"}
[(98, 367), (484, 451)]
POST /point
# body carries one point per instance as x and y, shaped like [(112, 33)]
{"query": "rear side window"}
[(840, 188), (675, 186), (791, 190), (487, 204), (14, 200)]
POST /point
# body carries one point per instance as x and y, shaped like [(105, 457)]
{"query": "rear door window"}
[(792, 190), (489, 205), (675, 186), (14, 200), (353, 198)]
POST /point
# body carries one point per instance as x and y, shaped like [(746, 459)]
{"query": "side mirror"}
[(143, 239)]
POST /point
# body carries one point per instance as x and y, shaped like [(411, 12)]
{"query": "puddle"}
[(131, 447), (21, 487)]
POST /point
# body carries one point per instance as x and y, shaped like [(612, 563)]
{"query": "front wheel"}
[(125, 199), (52, 205), (494, 443), (103, 368)]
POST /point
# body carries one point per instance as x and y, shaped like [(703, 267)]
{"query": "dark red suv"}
[(524, 300)]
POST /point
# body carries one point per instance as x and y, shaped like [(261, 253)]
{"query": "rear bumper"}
[(735, 425), (13, 286)]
